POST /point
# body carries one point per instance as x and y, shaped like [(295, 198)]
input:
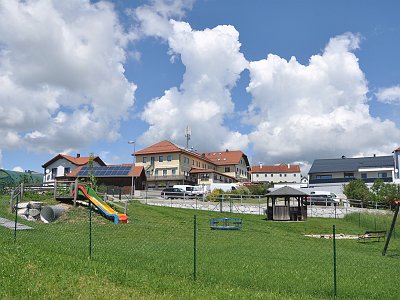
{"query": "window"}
[(164, 173), (169, 157), (53, 173), (382, 175), (364, 175), (256, 175), (348, 175), (148, 173), (280, 175), (66, 171), (285, 175), (152, 159), (193, 162), (272, 175), (294, 175), (144, 159), (328, 176), (173, 171), (156, 172), (227, 169), (160, 158)]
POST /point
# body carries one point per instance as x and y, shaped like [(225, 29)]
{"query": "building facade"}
[(283, 173), (167, 164), (59, 166), (342, 170)]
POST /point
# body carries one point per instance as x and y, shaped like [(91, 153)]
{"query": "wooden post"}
[(12, 201), (22, 191), (75, 191), (55, 188)]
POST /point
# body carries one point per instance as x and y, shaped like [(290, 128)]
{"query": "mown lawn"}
[(152, 257)]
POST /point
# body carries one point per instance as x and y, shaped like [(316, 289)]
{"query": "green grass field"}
[(152, 257)]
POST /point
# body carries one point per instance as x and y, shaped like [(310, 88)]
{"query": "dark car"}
[(173, 193)]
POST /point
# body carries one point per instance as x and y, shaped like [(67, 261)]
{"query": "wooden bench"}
[(372, 234)]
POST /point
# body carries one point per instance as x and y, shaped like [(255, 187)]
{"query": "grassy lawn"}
[(151, 257)]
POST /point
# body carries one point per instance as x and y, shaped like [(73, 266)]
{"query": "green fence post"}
[(90, 230), (194, 248), (334, 264), (15, 221)]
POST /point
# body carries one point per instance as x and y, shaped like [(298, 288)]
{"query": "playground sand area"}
[(339, 236)]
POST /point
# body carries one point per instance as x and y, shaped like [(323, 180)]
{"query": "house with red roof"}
[(282, 173), (60, 165), (167, 164)]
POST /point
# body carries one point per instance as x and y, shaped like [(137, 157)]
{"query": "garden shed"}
[(286, 204)]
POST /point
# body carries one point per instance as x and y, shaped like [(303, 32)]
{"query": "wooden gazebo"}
[(279, 208)]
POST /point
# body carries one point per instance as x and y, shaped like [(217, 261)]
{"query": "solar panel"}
[(104, 171)]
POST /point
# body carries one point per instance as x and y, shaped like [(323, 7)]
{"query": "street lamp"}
[(133, 169)]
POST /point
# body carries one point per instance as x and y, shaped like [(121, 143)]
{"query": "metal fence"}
[(315, 259)]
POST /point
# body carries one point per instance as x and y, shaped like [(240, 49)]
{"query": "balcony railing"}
[(345, 180), (170, 178)]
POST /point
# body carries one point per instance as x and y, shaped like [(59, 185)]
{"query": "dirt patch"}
[(339, 236)]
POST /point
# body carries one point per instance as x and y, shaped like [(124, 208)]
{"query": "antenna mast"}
[(188, 133)]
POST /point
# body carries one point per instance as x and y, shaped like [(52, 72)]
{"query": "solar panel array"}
[(104, 171)]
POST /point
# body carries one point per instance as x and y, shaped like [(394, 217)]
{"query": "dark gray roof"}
[(350, 164), (287, 191)]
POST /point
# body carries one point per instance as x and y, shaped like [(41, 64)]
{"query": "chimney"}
[(260, 165), (78, 155), (374, 155), (288, 166), (227, 150), (343, 157)]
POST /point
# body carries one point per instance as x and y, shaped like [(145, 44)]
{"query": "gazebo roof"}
[(287, 191)]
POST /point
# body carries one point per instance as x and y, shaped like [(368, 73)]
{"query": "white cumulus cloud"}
[(213, 64), (319, 110), (18, 169), (62, 74), (389, 95)]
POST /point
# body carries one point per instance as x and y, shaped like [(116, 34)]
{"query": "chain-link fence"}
[(227, 245)]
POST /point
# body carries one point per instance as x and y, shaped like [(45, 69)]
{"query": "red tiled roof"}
[(78, 161), (283, 168), (161, 147), (217, 158), (226, 157)]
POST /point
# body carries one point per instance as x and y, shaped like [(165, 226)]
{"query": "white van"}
[(325, 194), (190, 189)]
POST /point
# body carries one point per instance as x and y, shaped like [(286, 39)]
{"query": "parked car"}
[(193, 190), (172, 193)]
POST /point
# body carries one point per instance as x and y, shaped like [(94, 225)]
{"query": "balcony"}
[(171, 178), (345, 180)]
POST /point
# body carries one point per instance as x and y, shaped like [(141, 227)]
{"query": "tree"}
[(384, 192), (259, 188), (378, 191), (356, 189)]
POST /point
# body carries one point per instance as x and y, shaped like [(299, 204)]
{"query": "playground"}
[(152, 256)]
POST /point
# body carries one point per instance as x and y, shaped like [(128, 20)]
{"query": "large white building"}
[(276, 174)]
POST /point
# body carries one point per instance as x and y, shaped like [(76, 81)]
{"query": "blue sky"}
[(283, 81)]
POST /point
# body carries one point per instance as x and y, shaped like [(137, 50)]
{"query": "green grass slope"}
[(152, 257)]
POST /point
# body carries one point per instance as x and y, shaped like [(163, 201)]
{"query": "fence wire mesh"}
[(170, 240)]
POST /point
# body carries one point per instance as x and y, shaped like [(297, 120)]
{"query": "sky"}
[(284, 81)]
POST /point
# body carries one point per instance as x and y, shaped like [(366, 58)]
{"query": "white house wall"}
[(276, 177)]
